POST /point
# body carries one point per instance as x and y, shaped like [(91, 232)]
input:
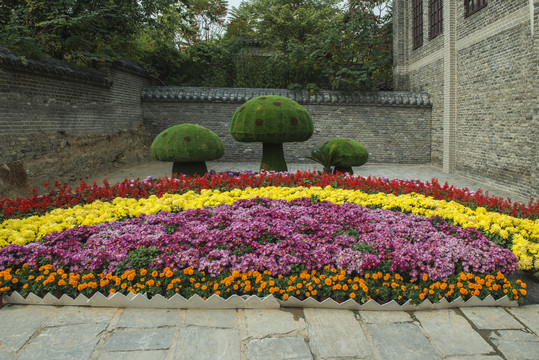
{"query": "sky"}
[(234, 3)]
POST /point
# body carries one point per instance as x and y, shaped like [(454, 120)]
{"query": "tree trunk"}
[(189, 168), (273, 157)]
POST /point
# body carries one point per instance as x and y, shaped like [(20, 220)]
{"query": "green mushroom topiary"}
[(271, 120), (189, 147), (350, 153)]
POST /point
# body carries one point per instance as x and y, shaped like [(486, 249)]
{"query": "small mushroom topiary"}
[(271, 120), (189, 147), (349, 153)]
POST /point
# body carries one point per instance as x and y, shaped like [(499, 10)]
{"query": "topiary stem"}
[(344, 169), (189, 168), (273, 157)]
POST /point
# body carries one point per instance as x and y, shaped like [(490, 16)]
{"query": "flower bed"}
[(285, 241)]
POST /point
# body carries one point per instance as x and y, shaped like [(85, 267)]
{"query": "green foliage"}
[(210, 64), (84, 32), (210, 16), (271, 119), (332, 48), (170, 228), (295, 44), (167, 63), (349, 152), (280, 21), (187, 143), (364, 248), (141, 257), (327, 157)]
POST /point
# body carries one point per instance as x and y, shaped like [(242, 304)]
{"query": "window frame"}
[(436, 18), (473, 6), (417, 24)]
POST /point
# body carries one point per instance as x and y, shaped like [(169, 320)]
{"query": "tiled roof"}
[(63, 68), (199, 94)]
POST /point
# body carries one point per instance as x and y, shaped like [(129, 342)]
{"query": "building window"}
[(436, 18), (417, 11), (473, 6)]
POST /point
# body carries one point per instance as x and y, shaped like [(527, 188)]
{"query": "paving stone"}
[(134, 355), (148, 318), (401, 341), (491, 318), (478, 357), (335, 333), (207, 343), (278, 348), (68, 342), (18, 323), (71, 315), (211, 318), (384, 317), (516, 344), (261, 323), (529, 315), (5, 356), (140, 339), (451, 333)]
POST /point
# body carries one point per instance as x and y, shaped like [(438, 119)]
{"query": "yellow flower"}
[(523, 232)]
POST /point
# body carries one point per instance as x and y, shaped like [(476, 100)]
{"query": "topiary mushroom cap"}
[(351, 152), (187, 143), (271, 119)]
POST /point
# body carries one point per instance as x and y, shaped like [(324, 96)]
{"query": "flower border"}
[(520, 235)]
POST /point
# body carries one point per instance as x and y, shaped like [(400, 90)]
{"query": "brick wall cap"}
[(52, 67), (241, 95), (130, 66)]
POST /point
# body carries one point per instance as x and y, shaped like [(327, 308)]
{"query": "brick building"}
[(479, 61)]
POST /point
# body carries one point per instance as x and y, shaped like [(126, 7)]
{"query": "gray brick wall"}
[(39, 110), (495, 96), (430, 79), (494, 11), (495, 81), (395, 128), (59, 122)]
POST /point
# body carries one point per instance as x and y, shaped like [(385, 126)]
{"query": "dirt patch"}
[(76, 158), (13, 180)]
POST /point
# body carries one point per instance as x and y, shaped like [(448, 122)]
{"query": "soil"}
[(73, 159)]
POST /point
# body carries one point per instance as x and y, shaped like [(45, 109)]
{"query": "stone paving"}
[(49, 332)]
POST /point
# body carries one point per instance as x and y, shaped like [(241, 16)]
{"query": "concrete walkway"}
[(49, 332), (46, 332)]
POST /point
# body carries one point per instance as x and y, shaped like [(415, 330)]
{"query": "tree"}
[(210, 16), (83, 32), (208, 64), (355, 54), (275, 22), (315, 43), (241, 22)]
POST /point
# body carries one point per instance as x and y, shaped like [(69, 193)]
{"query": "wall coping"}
[(240, 95), (56, 67)]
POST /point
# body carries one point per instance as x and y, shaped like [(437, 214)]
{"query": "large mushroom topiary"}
[(271, 120), (189, 147), (349, 152)]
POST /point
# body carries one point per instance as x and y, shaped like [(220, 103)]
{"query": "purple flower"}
[(274, 235)]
